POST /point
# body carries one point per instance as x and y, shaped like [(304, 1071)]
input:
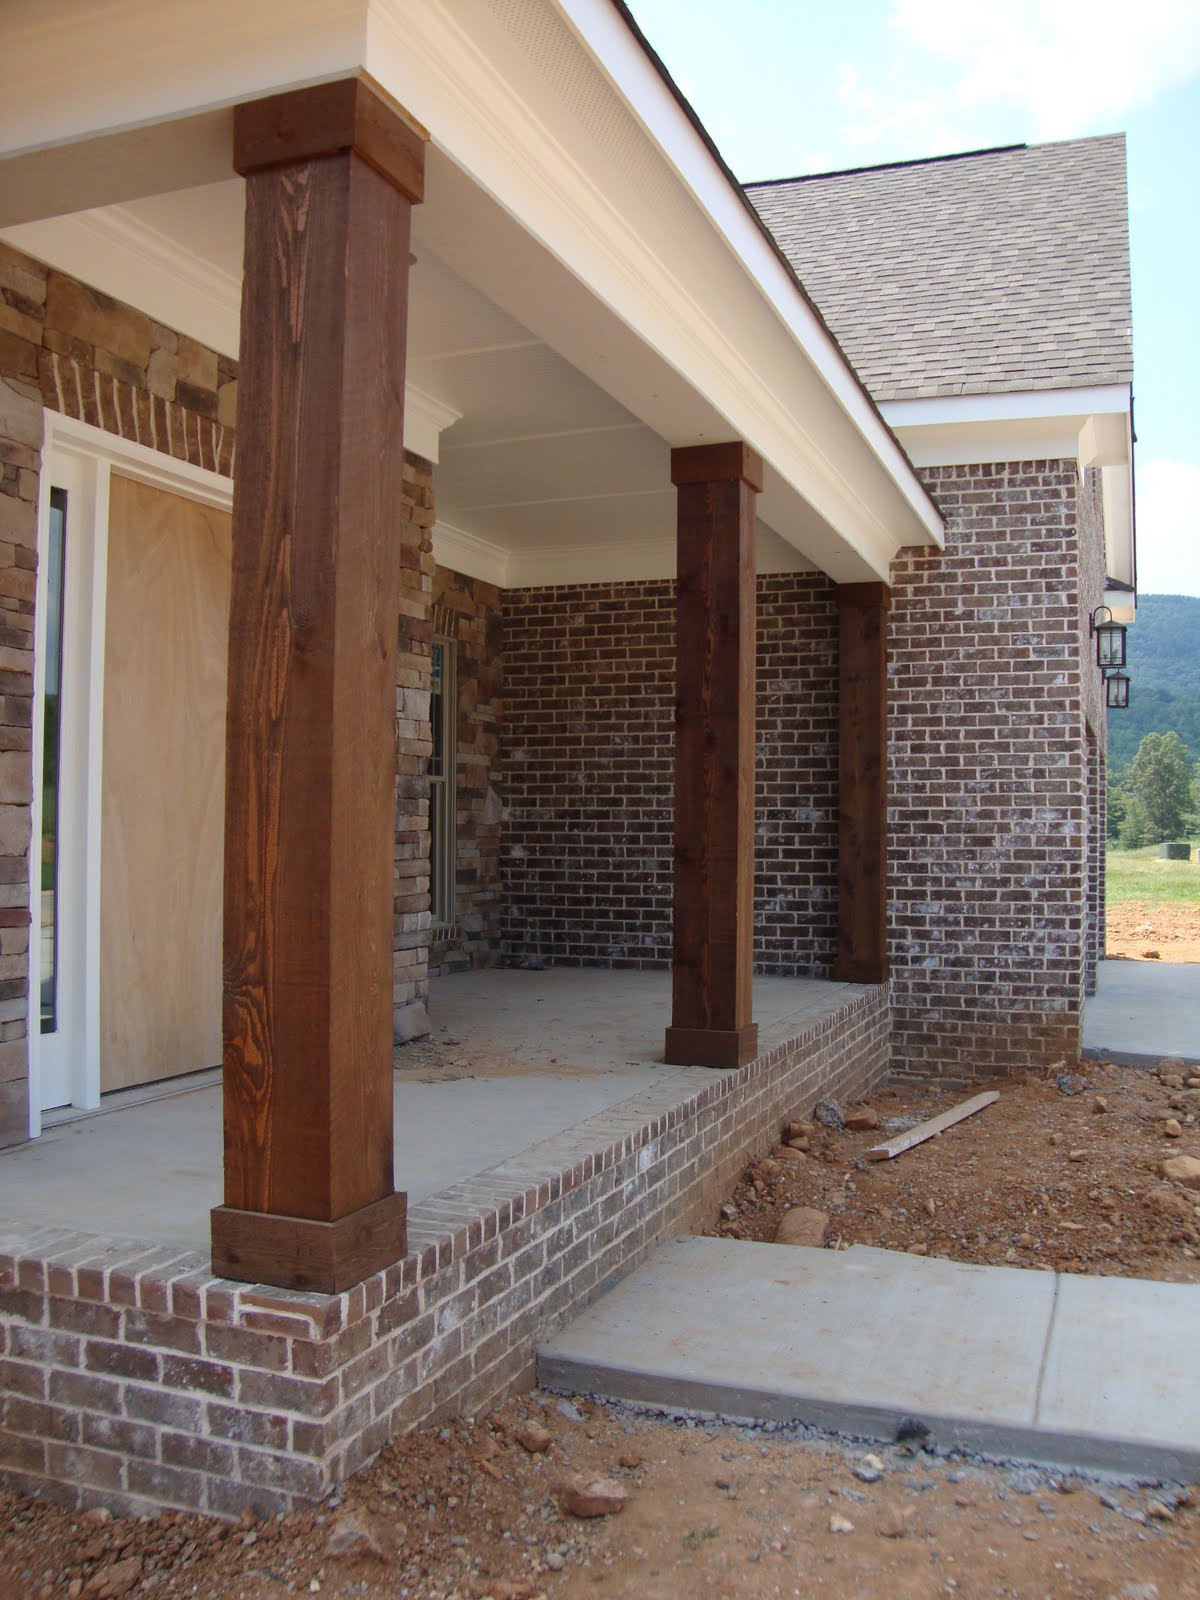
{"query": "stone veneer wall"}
[(130, 1377), (988, 776), (468, 611), (71, 349), (587, 774)]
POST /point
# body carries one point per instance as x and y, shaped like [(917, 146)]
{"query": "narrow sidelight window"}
[(51, 750)]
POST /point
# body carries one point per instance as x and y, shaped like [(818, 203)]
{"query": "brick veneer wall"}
[(468, 611), (988, 775), (71, 349), (130, 1377), (587, 774)]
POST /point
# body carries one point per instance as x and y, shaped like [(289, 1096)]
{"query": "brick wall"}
[(130, 1377), (987, 767), (468, 611), (587, 766)]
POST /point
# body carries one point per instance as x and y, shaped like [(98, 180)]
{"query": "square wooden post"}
[(331, 175), (715, 674), (862, 782)]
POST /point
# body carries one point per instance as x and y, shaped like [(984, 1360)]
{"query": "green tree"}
[(1160, 780), (1114, 810), (1133, 831)]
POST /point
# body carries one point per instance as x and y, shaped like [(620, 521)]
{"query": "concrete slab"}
[(1143, 1011), (856, 1340), (1119, 1378), (83, 1174), (852, 1340), (547, 1051)]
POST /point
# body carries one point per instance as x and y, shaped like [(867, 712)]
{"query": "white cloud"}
[(1062, 67), (1168, 527)]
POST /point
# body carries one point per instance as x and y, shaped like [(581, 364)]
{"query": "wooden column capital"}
[(733, 462), (352, 114)]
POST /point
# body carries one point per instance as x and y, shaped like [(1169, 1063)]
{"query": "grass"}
[(1140, 875)]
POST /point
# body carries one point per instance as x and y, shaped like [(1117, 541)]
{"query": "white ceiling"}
[(543, 477)]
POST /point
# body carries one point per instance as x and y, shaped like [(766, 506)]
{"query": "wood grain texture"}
[(862, 783), (929, 1130), (298, 1253), (162, 816), (713, 941), (332, 119), (310, 779)]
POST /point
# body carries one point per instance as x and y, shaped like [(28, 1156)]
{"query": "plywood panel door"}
[(162, 824)]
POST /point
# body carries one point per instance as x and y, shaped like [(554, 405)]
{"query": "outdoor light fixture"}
[(1110, 641), (1116, 691)]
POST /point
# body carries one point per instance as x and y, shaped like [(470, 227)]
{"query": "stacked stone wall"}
[(468, 612), (587, 774)]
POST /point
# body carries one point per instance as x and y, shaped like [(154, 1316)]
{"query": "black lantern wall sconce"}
[(1110, 657), (1110, 640)]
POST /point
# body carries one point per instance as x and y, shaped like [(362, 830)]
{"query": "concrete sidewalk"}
[(1143, 1011), (1083, 1372)]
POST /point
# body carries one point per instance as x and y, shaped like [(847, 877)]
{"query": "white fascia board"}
[(1091, 426), (1025, 405), (489, 102), (622, 59)]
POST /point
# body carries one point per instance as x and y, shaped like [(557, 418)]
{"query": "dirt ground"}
[(1064, 1172), (715, 1511), (1141, 931)]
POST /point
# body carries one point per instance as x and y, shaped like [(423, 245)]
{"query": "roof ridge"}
[(928, 161)]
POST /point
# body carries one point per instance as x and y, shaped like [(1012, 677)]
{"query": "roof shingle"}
[(985, 273)]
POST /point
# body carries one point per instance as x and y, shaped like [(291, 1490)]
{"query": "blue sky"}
[(793, 86)]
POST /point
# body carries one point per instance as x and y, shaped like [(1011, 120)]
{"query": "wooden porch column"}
[(331, 175), (713, 957), (862, 782)]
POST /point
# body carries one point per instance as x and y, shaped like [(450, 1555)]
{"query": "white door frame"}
[(64, 1068)]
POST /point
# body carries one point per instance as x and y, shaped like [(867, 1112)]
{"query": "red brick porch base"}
[(130, 1377)]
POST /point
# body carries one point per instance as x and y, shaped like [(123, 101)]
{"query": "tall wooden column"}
[(862, 782), (331, 175), (713, 959)]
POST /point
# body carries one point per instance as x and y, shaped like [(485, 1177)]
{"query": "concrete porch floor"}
[(546, 1051)]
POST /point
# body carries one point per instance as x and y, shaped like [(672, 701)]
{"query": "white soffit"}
[(1091, 426), (557, 129)]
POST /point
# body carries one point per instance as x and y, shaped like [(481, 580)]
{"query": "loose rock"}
[(894, 1522), (351, 1537), (803, 1225), (533, 1437), (840, 1524), (830, 1115), (862, 1119), (1182, 1169), (593, 1497)]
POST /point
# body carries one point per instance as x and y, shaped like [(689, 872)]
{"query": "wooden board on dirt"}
[(935, 1125)]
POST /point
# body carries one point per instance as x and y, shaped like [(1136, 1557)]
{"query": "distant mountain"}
[(1164, 669)]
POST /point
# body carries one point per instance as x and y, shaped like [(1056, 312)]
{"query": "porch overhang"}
[(1093, 426), (566, 188)]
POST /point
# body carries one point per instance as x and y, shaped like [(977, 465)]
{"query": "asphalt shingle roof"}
[(984, 273)]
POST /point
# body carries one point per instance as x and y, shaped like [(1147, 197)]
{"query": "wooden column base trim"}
[(711, 1047), (860, 971), (300, 1253)]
